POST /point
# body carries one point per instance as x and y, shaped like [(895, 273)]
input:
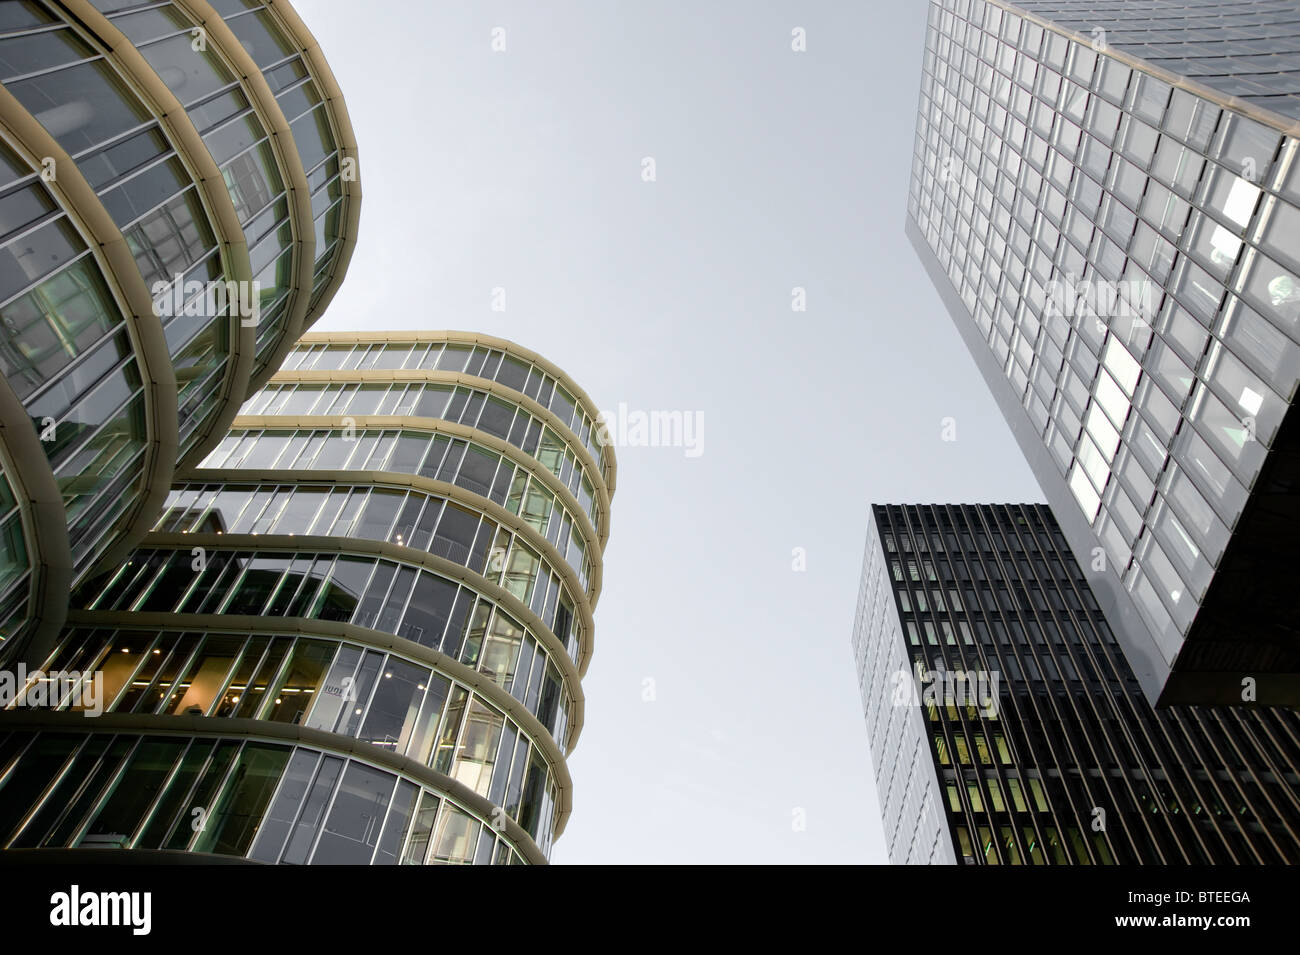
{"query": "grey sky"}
[(775, 169)]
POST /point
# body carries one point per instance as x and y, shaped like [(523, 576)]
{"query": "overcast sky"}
[(774, 170)]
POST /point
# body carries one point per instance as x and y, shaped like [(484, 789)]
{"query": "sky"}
[(723, 719)]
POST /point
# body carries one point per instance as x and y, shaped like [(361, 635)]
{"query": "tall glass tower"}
[(1006, 726), (357, 632), (1107, 197), (180, 195)]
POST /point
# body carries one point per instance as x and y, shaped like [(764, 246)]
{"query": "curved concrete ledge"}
[(217, 204), (117, 265), (333, 629), (290, 165), (346, 139), (590, 468), (487, 341), (421, 485), (415, 482), (267, 543), (437, 425), (45, 532), (211, 727)]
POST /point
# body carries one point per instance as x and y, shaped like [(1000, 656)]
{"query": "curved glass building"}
[(180, 201), (357, 632)]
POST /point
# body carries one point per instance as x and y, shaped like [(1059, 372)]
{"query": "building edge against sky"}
[(335, 598), (184, 200), (1006, 727), (358, 629), (1161, 430)]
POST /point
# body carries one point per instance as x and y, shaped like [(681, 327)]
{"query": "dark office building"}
[(1006, 726), (1106, 195)]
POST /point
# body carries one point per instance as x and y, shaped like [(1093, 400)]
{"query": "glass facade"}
[(137, 174), (472, 407), (416, 519), (428, 609), (382, 698), (158, 188), (911, 796), (15, 564), (997, 697), (240, 142), (67, 356), (481, 361), (1249, 49), (314, 128), (321, 583), (457, 461), (1121, 256), (270, 802)]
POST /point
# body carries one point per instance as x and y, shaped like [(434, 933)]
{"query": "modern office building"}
[(356, 633), (1107, 196), (180, 202), (1006, 726)]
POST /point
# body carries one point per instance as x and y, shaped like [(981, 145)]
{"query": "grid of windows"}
[(1046, 749), (264, 801), (1129, 253), (311, 124), (221, 110), (67, 357), (142, 183), (67, 352), (471, 407), (910, 796), (331, 521), (1244, 48), (415, 519), (422, 522), (365, 591), (306, 681), (480, 361), (218, 106), (381, 698), (438, 457)]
